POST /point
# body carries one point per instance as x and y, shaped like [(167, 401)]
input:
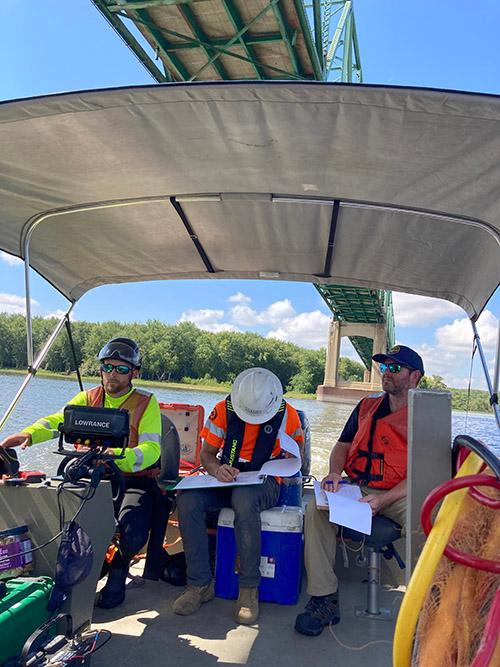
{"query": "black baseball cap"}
[(402, 355)]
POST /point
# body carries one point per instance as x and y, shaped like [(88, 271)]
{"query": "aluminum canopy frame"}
[(369, 186)]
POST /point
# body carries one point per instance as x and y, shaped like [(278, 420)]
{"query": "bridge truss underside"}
[(360, 305), (182, 40)]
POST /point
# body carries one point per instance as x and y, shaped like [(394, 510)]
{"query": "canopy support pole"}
[(29, 318), (493, 394), (32, 368), (73, 350), (496, 374)]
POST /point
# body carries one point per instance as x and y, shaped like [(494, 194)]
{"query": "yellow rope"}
[(426, 566)]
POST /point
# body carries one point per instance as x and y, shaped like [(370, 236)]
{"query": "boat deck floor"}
[(146, 631)]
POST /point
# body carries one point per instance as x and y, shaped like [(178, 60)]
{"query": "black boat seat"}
[(170, 453), (385, 531), (169, 470)]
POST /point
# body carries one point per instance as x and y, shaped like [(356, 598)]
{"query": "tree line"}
[(171, 353), (474, 400), (184, 353)]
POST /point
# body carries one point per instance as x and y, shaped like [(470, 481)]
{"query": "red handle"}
[(440, 492)]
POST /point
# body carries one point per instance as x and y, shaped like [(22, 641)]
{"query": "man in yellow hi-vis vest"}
[(120, 363)]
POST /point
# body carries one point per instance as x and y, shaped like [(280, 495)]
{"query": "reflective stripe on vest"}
[(136, 405), (264, 445), (378, 454)]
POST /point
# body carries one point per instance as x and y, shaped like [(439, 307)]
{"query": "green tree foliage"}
[(13, 343), (184, 353), (176, 353), (434, 382), (476, 401), (461, 399), (311, 371), (350, 370)]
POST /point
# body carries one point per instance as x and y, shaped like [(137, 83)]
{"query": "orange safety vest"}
[(265, 442), (378, 454), (136, 405)]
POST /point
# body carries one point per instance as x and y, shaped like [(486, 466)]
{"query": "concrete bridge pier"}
[(342, 391)]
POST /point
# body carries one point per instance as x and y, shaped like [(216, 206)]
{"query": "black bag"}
[(74, 562)]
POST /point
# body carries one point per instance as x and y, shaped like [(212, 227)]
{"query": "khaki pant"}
[(321, 543)]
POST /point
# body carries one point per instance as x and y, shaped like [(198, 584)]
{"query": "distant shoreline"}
[(194, 386), (186, 386)]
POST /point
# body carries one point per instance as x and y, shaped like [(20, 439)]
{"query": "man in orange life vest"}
[(372, 451), (120, 364), (241, 433)]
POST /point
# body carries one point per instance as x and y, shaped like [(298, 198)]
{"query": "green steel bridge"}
[(197, 40)]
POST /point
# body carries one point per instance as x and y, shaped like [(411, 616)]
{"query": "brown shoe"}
[(246, 610), (192, 599)]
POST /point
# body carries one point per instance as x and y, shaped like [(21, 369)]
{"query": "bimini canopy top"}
[(369, 186)]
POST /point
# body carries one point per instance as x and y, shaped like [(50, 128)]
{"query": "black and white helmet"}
[(124, 349)]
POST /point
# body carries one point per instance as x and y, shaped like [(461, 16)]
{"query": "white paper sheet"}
[(320, 495), (284, 467), (210, 482), (346, 511), (275, 468), (346, 490)]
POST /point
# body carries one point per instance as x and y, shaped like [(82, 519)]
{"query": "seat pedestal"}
[(384, 533)]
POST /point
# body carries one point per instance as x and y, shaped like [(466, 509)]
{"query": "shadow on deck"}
[(146, 631)]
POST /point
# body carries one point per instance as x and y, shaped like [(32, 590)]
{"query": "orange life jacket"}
[(378, 454), (136, 405)]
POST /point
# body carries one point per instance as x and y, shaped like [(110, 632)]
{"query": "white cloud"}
[(450, 356), (202, 316), (279, 310), (420, 311), (10, 259), (207, 319), (273, 314), (13, 304), (217, 328), (304, 329), (307, 330), (239, 297), (439, 360), (458, 335), (58, 314), (245, 316)]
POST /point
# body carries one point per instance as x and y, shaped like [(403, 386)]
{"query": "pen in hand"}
[(335, 483), (226, 473)]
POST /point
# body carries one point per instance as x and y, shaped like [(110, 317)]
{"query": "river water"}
[(46, 395)]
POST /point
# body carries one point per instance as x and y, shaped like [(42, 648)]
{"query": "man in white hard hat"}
[(241, 434)]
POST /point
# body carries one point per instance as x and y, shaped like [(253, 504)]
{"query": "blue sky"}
[(49, 46)]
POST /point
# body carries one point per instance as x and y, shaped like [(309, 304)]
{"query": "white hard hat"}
[(256, 395)]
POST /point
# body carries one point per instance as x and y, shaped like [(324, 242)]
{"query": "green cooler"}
[(23, 608)]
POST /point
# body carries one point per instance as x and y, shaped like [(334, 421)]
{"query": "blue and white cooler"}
[(280, 561)]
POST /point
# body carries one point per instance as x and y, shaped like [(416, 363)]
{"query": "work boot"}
[(246, 610), (192, 599), (113, 593), (320, 611)]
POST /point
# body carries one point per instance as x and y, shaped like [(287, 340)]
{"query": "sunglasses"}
[(121, 369), (393, 368)]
